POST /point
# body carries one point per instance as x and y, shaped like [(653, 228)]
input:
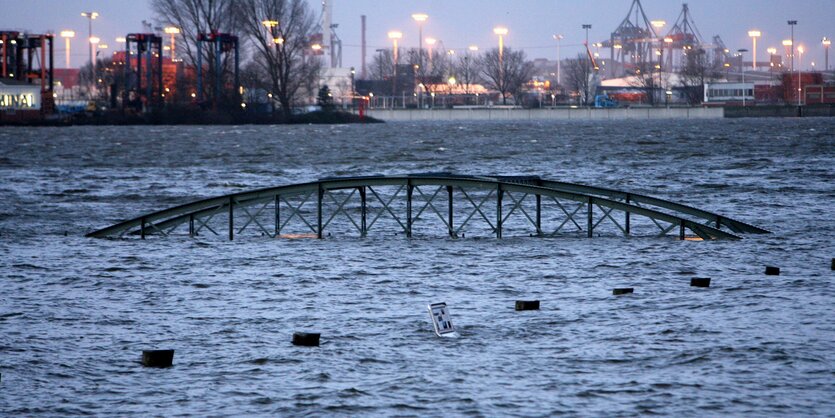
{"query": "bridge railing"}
[(455, 201)]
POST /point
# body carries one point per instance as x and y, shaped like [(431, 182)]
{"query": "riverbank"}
[(518, 114), (190, 117), (780, 111)]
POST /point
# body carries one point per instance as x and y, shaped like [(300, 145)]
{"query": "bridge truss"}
[(427, 205)]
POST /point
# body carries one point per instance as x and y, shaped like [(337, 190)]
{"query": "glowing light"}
[(420, 17), (171, 30), (395, 35), (67, 34), (501, 31)]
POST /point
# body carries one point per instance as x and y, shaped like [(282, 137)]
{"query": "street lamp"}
[(394, 36), (744, 90), (754, 34), (559, 39), (91, 16), (94, 41), (501, 32), (658, 25), (430, 42), (792, 23), (67, 35), (800, 51), (787, 47), (771, 51), (826, 43), (420, 18), (173, 31)]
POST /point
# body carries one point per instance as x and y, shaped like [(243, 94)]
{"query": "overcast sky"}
[(459, 23)]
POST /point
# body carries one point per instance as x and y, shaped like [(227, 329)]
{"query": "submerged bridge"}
[(432, 204)]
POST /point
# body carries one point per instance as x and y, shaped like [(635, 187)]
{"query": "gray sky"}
[(459, 23)]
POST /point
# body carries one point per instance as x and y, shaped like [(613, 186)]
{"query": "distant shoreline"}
[(178, 117), (475, 114)]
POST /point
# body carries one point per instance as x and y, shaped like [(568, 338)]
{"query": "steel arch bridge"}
[(431, 204)]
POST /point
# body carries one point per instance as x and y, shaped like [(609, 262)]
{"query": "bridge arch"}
[(457, 205)]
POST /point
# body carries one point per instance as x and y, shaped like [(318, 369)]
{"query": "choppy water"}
[(76, 312)]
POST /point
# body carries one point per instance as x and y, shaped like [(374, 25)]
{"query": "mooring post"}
[(681, 230), (142, 229), (408, 208), (231, 218), (191, 225), (718, 222), (451, 224), (539, 215), (277, 215), (499, 196), (320, 226), (591, 212), (627, 222), (363, 213)]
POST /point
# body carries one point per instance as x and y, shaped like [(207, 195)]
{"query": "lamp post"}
[(430, 42), (826, 42), (787, 48), (501, 32), (173, 31), (754, 34), (420, 18), (744, 89), (67, 35), (771, 51), (91, 16), (394, 36), (658, 25), (559, 39), (792, 23), (94, 41), (800, 51)]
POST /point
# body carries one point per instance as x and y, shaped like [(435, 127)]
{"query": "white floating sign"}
[(440, 319)]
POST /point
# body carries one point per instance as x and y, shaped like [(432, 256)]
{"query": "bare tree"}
[(193, 18), (434, 70), (650, 80), (578, 77), (467, 72), (382, 65), (697, 71), (281, 46), (507, 73)]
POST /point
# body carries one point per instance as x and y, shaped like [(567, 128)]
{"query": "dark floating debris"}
[(833, 264), (700, 282), (157, 358), (623, 291), (772, 271), (527, 305), (306, 339)]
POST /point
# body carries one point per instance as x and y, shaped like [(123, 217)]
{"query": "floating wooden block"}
[(527, 305), (157, 358), (700, 282), (307, 339), (772, 271), (623, 291)]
